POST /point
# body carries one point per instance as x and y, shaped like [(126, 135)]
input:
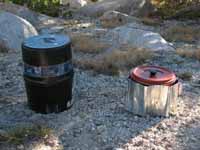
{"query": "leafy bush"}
[(169, 8), (49, 7)]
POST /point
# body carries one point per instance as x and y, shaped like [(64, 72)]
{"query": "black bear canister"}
[(48, 72)]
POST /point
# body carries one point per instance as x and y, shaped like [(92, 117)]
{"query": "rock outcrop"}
[(74, 3), (132, 7), (20, 11), (36, 19), (13, 30), (139, 38)]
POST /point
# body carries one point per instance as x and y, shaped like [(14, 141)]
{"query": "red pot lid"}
[(153, 75)]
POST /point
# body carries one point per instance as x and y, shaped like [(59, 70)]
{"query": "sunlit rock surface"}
[(13, 30)]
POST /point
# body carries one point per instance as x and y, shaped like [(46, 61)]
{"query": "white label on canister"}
[(48, 71)]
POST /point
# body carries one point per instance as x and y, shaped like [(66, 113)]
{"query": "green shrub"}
[(167, 8), (49, 7)]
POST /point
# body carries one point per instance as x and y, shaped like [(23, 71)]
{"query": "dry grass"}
[(3, 49), (189, 53), (185, 76), (182, 33), (114, 62), (87, 44), (97, 66), (114, 19), (20, 134), (108, 23), (150, 22)]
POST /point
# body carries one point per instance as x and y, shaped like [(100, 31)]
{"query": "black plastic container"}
[(48, 72)]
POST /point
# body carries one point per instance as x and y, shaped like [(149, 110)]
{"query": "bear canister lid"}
[(153, 75), (45, 50)]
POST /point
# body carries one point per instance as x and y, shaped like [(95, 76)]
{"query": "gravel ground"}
[(98, 119)]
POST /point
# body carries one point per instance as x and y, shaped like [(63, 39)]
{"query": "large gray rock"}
[(132, 7), (13, 30), (111, 19), (136, 37), (36, 19), (20, 11), (74, 3)]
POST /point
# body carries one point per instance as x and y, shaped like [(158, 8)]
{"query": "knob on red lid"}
[(153, 75)]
